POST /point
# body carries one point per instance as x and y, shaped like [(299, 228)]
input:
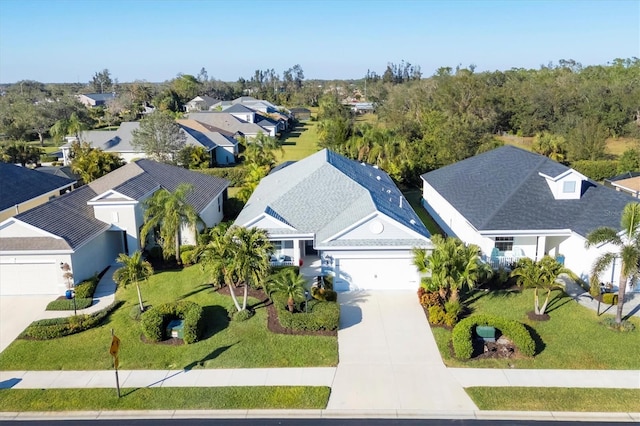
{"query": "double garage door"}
[(375, 274), (28, 279)]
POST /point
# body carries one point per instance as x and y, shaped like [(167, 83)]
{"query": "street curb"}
[(324, 414)]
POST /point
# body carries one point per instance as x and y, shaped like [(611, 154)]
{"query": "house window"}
[(504, 243), (569, 187), (279, 245)]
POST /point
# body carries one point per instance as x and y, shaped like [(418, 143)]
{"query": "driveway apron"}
[(16, 313), (389, 359)]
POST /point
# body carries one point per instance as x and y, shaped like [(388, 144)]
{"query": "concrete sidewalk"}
[(319, 376), (631, 305), (103, 297)]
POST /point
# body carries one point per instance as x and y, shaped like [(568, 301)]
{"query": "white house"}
[(513, 203), (347, 214), (87, 228), (222, 147)]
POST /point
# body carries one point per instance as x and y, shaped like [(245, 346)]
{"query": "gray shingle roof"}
[(20, 184), (70, 217), (239, 108), (325, 193), (100, 97), (502, 190)]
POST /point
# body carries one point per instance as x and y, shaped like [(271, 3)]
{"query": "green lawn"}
[(414, 196), (300, 142), (271, 397), (572, 339), (556, 399), (226, 344)]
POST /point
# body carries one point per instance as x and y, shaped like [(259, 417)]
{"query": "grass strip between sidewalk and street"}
[(556, 399), (213, 398)]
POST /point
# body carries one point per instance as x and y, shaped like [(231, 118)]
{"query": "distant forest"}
[(422, 123)]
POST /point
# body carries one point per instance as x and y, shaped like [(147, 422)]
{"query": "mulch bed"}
[(173, 341), (535, 317), (273, 324)]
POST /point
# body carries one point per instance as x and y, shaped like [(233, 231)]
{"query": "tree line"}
[(424, 124)]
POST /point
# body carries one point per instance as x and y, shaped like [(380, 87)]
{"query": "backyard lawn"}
[(414, 196), (300, 142), (572, 339), (226, 344)]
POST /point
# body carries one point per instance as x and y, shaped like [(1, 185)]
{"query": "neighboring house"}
[(93, 100), (347, 214), (62, 171), (222, 148), (201, 103), (301, 114), (24, 189), (87, 228), (229, 123), (628, 182), (513, 203)]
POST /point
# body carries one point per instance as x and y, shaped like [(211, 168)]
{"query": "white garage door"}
[(28, 279), (375, 274)]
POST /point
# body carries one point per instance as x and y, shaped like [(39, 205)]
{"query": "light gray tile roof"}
[(502, 190), (19, 184), (115, 141), (238, 108), (71, 218), (227, 122), (325, 193)]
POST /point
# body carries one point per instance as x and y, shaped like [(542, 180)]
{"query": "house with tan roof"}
[(87, 228), (628, 182)]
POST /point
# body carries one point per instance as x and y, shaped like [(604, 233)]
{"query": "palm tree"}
[(133, 270), (67, 126), (251, 253), (627, 244), (539, 275), (453, 265), (254, 174), (217, 258), (290, 284), (169, 211)]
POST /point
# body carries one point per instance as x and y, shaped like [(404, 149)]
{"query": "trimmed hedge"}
[(463, 332), (235, 175), (86, 288), (58, 327), (156, 319), (610, 298), (319, 316), (67, 304)]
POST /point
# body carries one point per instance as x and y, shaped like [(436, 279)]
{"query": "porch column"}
[(296, 251), (541, 243)]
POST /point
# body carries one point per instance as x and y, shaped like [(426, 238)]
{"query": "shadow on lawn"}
[(540, 345), (558, 301), (216, 319), (213, 355), (198, 289)]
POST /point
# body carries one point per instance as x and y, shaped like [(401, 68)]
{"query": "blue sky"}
[(68, 41)]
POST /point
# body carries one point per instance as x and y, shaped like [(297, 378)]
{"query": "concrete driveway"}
[(389, 359), (16, 313)]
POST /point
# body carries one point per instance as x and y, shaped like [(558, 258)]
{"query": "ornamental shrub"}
[(242, 315), (323, 294), (462, 334), (319, 315), (58, 327), (156, 319), (610, 298), (186, 256), (436, 315), (86, 288), (235, 175)]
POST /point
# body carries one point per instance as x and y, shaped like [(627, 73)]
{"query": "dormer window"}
[(569, 186)]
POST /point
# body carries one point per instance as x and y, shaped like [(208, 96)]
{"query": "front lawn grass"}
[(300, 142), (215, 398), (556, 399), (247, 344), (572, 339)]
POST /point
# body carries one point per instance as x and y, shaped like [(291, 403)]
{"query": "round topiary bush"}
[(463, 332), (242, 315), (156, 319)]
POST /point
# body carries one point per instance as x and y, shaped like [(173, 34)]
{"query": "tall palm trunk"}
[(233, 297), (246, 295), (139, 297), (290, 304), (622, 288), (177, 237), (543, 309)]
